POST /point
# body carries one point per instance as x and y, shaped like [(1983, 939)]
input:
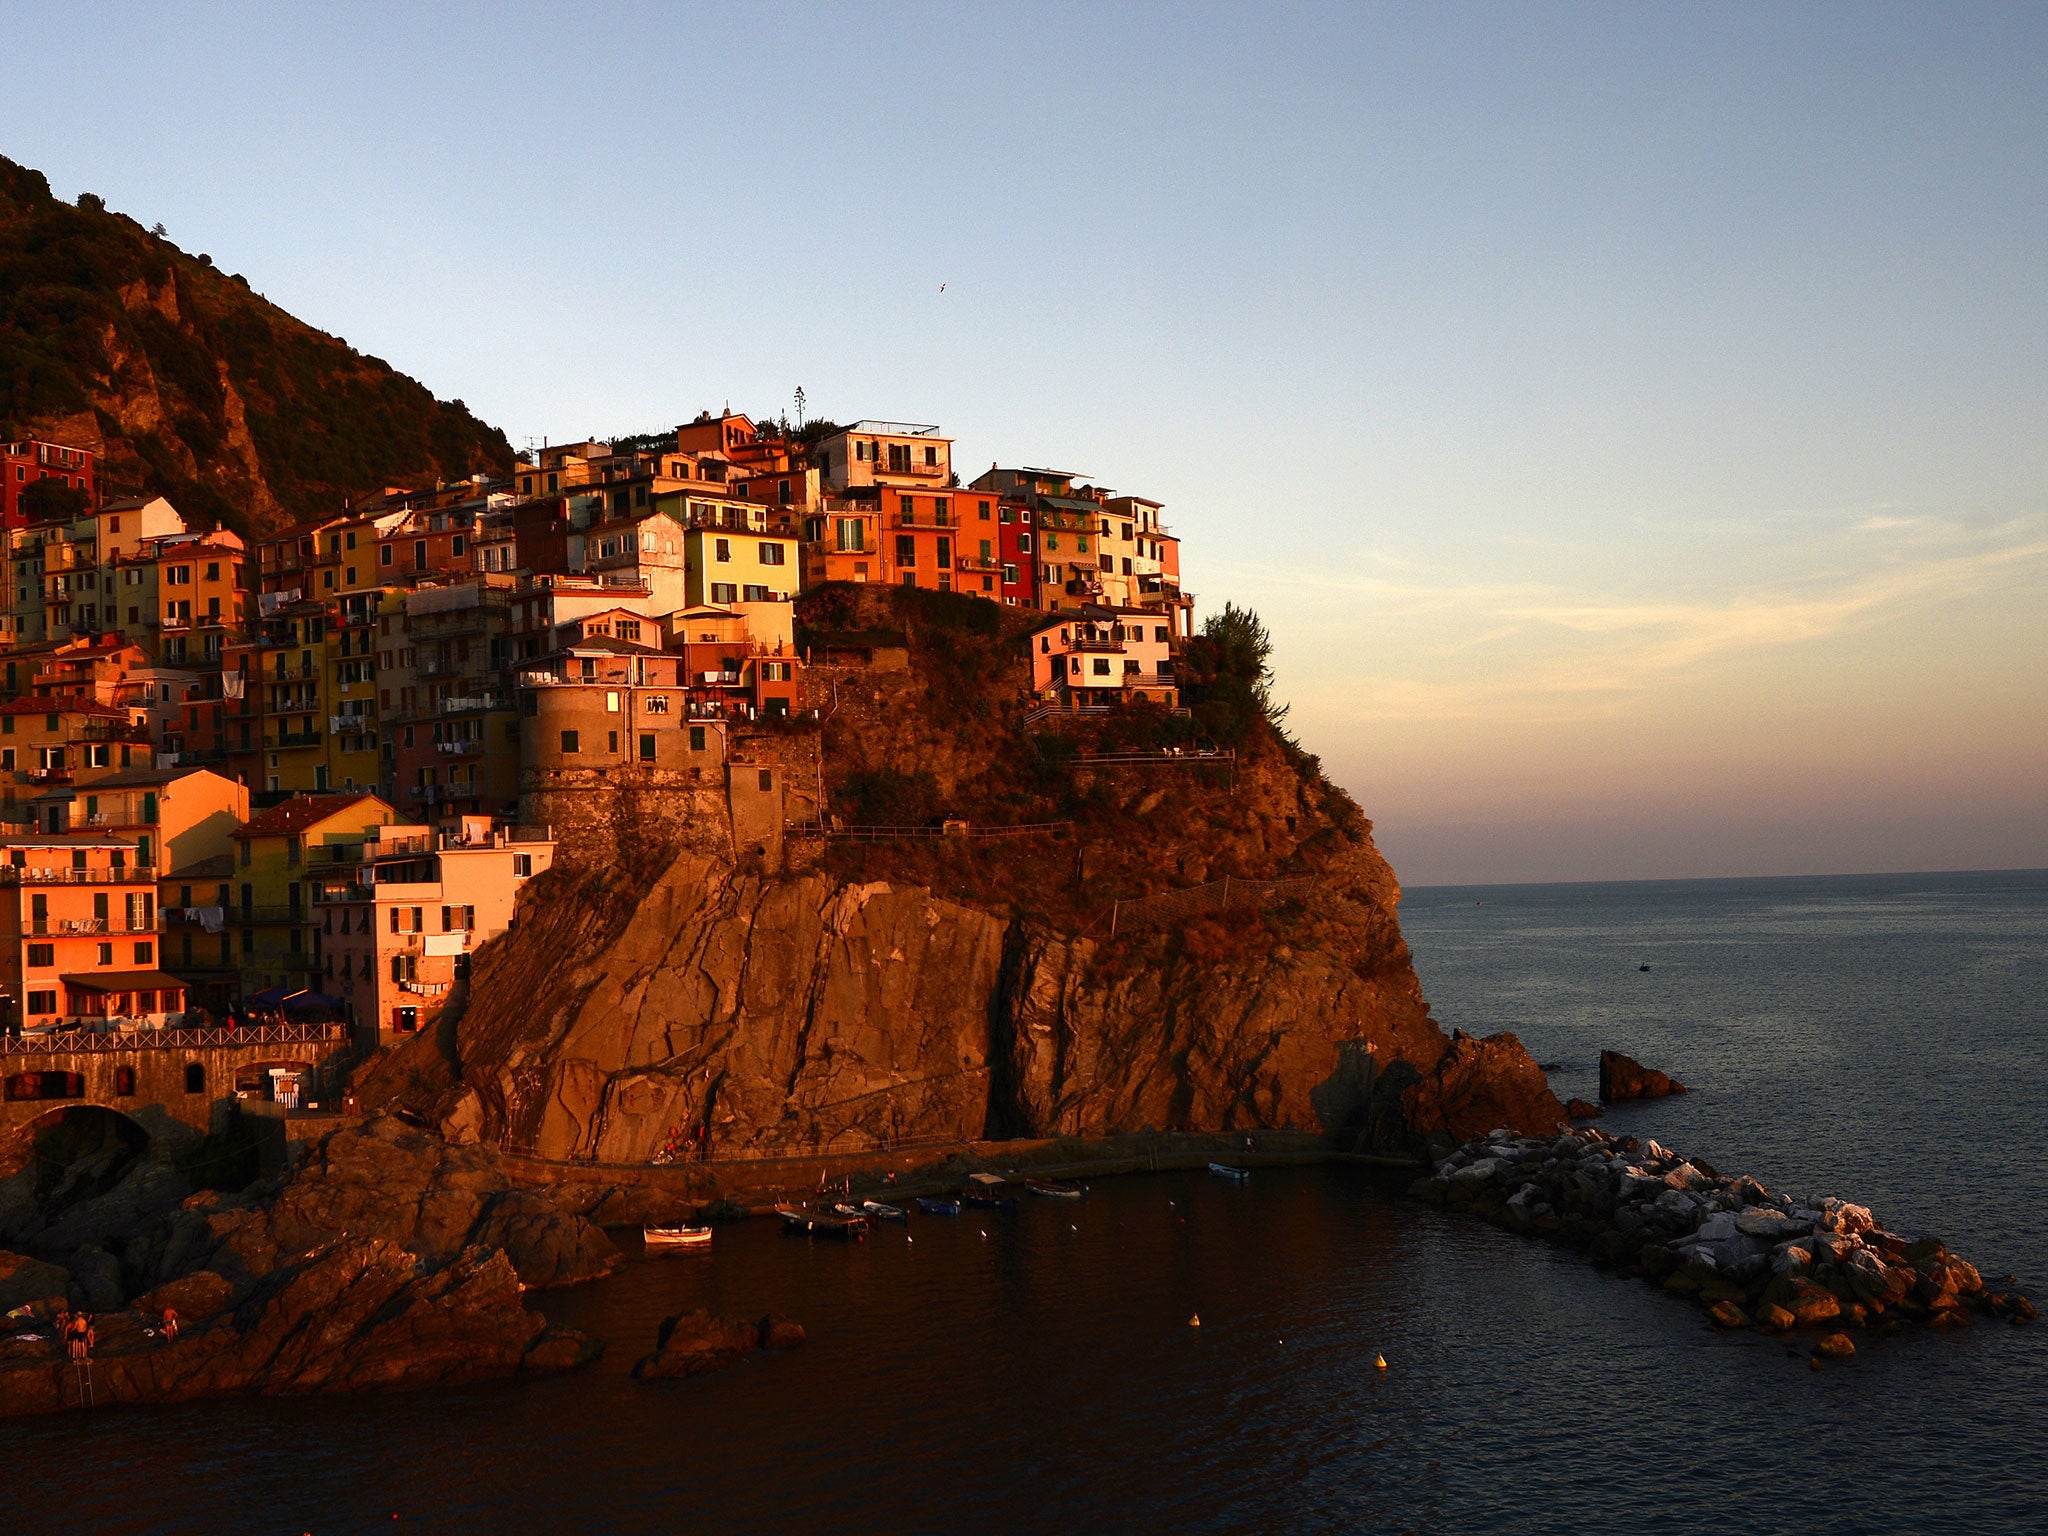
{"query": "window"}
[(852, 536), (42, 956), (124, 1082), (569, 742), (1102, 666), (384, 554), (145, 952), (195, 1077), (522, 865), (721, 550), (771, 554), (984, 511), (106, 955), (945, 559), (611, 703), (646, 747), (1159, 633), (42, 1002), (767, 778), (611, 742), (754, 593), (655, 703), (906, 549), (696, 738), (724, 592)]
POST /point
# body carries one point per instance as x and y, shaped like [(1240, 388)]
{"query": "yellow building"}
[(280, 857)]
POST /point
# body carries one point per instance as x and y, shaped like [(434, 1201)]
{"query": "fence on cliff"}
[(1223, 895)]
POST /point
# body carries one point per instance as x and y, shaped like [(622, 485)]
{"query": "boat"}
[(876, 1210), (847, 1209), (933, 1205), (988, 1201), (1052, 1189), (659, 1239), (1225, 1171), (808, 1223)]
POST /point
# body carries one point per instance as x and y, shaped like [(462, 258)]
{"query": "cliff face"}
[(846, 1005), (189, 385)]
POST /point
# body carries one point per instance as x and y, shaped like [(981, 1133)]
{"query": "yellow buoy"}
[(1379, 1362), (1195, 1321)]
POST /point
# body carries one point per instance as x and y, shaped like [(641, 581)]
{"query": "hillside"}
[(871, 994), (190, 385)]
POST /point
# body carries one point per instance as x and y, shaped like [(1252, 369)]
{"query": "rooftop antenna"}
[(799, 407)]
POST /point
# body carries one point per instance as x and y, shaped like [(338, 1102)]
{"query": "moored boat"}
[(880, 1212), (809, 1223), (933, 1205), (661, 1239), (1053, 1189), (1225, 1171)]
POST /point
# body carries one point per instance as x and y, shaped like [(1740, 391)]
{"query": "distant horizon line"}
[(1876, 874)]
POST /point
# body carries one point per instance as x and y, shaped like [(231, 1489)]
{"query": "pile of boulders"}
[(1750, 1257)]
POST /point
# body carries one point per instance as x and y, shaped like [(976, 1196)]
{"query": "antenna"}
[(799, 407)]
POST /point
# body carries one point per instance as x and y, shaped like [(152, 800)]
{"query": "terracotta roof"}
[(299, 813), (62, 704)]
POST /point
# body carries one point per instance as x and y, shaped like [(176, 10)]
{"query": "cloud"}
[(1529, 650)]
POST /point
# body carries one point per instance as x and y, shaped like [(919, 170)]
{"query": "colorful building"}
[(78, 933)]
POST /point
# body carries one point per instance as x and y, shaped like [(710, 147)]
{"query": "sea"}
[(1178, 1354)]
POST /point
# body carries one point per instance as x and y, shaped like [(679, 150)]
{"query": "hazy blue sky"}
[(1631, 419)]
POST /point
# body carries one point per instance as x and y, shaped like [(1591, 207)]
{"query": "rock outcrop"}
[(1749, 1256), (693, 1343), (805, 1014), (1623, 1077), (387, 1259)]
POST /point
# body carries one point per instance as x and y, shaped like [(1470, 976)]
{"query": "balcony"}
[(338, 724), (915, 471), (471, 703), (940, 521), (459, 748), (1096, 643), (20, 875), (268, 914), (293, 739)]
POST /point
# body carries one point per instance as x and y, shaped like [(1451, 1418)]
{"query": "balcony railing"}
[(920, 471), (470, 703), (169, 1038), (939, 520), (293, 739), (1096, 643), (459, 748), (11, 875)]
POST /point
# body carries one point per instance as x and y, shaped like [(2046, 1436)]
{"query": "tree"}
[(51, 500), (1228, 675)]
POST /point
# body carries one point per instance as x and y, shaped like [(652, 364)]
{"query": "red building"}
[(23, 464), (1018, 552)]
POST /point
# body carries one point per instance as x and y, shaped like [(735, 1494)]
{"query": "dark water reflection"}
[(1044, 1377)]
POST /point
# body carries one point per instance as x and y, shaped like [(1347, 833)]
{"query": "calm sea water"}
[(1879, 1038)]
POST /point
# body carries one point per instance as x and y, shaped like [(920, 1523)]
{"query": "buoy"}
[(1379, 1362), (1195, 1321)]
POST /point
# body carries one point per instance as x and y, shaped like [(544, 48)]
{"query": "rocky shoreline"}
[(387, 1259), (1751, 1258)]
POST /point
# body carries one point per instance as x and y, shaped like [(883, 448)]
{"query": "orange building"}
[(78, 932)]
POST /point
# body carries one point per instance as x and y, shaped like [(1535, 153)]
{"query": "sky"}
[(1632, 421)]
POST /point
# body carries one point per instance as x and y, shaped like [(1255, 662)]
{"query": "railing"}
[(471, 702), (1216, 896), (10, 875), (951, 829), (939, 520), (344, 893), (293, 739), (100, 926), (340, 723), (1096, 644), (267, 914), (171, 1038), (459, 748), (921, 471)]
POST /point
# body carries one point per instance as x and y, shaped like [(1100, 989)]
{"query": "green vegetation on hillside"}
[(194, 387)]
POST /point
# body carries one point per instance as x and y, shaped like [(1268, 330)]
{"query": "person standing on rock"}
[(78, 1333), (170, 1325)]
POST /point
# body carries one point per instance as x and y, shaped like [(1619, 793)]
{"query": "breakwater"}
[(1751, 1257)]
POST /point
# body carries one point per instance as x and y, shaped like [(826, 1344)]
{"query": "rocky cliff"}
[(865, 995), (190, 385)]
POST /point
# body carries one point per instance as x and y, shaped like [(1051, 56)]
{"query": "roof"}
[(891, 429), (145, 778), (128, 503), (1070, 504), (299, 813), (607, 645), (121, 981), (62, 704)]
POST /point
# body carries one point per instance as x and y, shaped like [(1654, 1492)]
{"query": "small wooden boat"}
[(847, 1209), (810, 1223), (1052, 1189), (988, 1200), (877, 1211), (932, 1205), (1225, 1171), (661, 1239)]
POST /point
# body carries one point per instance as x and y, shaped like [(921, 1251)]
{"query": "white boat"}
[(658, 1238)]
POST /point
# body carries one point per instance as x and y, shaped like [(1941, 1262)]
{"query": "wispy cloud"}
[(1528, 648)]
